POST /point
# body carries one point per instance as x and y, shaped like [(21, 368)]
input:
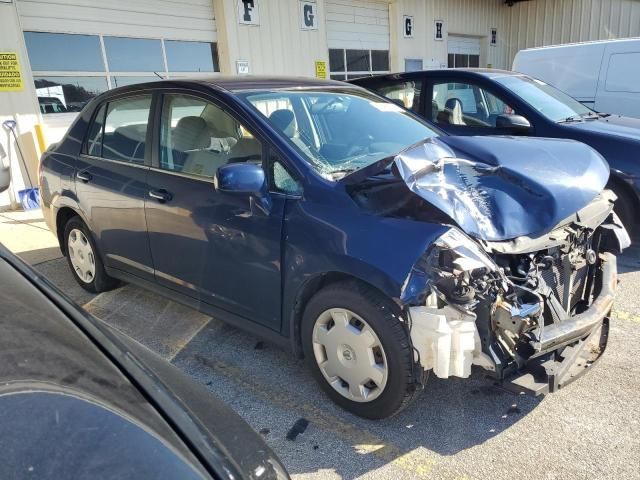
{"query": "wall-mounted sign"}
[(10, 74), (242, 67), (493, 40), (407, 26), (438, 30), (321, 69), (308, 15), (248, 12)]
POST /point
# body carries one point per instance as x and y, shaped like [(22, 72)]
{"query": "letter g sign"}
[(308, 19)]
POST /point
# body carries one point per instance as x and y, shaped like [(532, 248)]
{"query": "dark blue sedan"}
[(332, 221), (497, 102)]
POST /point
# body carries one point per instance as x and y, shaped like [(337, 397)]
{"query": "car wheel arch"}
[(63, 215), (307, 290)]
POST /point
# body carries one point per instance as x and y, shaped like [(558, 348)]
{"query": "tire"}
[(83, 257), (378, 318)]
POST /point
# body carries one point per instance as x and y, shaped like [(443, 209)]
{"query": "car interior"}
[(198, 138), (126, 143), (466, 105)]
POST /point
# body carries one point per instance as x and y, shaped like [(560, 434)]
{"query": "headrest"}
[(453, 103), (191, 133), (136, 133), (283, 120)]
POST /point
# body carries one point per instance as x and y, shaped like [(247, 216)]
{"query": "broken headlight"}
[(459, 268), (454, 267)]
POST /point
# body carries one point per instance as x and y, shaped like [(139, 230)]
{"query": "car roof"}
[(249, 82), (235, 83), (439, 72)]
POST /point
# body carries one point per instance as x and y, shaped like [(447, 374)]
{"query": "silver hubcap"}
[(350, 355), (81, 256)]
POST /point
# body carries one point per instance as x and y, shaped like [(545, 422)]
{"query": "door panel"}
[(221, 248), (113, 200), (111, 184)]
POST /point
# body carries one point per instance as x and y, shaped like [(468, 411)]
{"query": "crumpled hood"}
[(500, 188)]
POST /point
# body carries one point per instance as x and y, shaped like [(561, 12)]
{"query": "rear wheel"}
[(83, 259), (359, 350)]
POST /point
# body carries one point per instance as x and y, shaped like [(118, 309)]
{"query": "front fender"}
[(379, 251)]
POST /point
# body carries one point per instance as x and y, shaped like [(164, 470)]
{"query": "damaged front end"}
[(532, 310)]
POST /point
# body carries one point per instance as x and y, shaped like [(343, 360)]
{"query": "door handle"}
[(161, 195), (84, 176)]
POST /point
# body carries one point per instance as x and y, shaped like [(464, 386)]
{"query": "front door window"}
[(197, 137), (466, 105)]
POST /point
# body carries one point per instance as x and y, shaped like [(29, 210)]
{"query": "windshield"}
[(554, 104), (339, 131)]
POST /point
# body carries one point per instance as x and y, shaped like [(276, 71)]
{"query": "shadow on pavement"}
[(272, 391)]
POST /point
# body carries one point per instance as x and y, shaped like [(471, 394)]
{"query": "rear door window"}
[(125, 129), (119, 130), (94, 139), (405, 93)]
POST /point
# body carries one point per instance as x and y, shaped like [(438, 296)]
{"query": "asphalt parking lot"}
[(458, 429)]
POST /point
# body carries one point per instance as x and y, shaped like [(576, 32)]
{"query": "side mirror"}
[(247, 178), (5, 171), (515, 123)]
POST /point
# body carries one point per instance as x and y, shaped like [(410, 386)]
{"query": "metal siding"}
[(278, 46), (550, 22), (473, 18), (357, 24), (192, 20)]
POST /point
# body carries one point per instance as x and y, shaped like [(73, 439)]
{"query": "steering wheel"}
[(360, 145)]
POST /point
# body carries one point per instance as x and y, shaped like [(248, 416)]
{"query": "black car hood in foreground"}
[(500, 188), (81, 400)]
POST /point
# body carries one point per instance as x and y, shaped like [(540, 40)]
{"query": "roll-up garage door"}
[(463, 51), (358, 37)]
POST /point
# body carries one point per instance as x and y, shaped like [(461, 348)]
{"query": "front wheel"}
[(359, 350), (83, 259)]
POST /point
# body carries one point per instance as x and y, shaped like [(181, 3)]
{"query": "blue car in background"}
[(336, 223), (497, 102)]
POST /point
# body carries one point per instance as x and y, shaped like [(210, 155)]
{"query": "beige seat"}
[(202, 149), (452, 113)]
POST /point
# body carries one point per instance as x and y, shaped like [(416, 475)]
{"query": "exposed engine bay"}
[(533, 310), (524, 303)]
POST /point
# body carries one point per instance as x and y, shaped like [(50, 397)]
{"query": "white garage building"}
[(71, 50)]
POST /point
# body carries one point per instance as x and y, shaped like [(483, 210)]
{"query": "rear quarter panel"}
[(58, 167)]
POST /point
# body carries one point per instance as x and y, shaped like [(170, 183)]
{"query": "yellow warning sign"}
[(321, 70), (10, 75)]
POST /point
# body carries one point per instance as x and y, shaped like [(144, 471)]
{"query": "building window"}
[(67, 94), (191, 56), (62, 52), (70, 69), (463, 60), (133, 54), (348, 64)]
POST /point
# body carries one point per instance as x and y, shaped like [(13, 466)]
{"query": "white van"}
[(604, 75)]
